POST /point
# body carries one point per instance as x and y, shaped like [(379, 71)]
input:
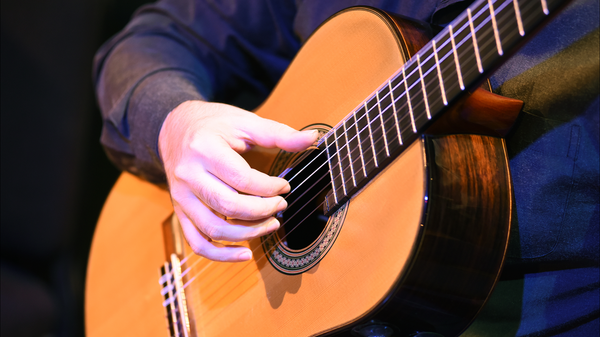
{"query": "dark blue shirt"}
[(178, 50)]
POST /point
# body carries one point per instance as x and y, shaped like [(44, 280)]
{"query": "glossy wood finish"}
[(363, 275), (122, 295), (464, 238), (481, 112), (466, 232), (336, 76)]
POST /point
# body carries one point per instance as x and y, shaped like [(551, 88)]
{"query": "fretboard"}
[(396, 114)]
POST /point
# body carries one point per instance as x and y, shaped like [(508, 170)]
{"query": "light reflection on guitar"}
[(418, 247)]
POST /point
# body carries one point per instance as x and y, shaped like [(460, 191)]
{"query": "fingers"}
[(201, 227), (224, 163), (221, 197), (204, 246), (228, 202), (271, 134), (199, 144), (216, 228)]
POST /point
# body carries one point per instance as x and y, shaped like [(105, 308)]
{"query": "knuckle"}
[(181, 173), (196, 145), (228, 207), (208, 252), (216, 256), (197, 249), (215, 232), (267, 206), (275, 186), (177, 197), (239, 181), (258, 231)]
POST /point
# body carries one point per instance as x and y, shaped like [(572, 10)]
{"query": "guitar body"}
[(418, 249)]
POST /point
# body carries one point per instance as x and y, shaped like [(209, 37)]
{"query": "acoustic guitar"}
[(389, 231)]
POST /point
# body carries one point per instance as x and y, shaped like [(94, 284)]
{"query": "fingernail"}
[(272, 226), (311, 132), (285, 188), (245, 256), (282, 205)]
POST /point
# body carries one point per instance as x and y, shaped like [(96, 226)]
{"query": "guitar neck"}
[(398, 112)]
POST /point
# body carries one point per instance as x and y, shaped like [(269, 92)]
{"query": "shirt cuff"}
[(152, 100)]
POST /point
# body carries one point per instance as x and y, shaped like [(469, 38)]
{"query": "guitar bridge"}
[(172, 282), (174, 298)]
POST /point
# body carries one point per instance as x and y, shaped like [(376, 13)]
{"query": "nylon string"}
[(485, 8)]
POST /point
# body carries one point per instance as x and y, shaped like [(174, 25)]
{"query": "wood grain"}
[(122, 290), (373, 270)]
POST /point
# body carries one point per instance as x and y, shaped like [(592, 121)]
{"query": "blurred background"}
[(55, 175)]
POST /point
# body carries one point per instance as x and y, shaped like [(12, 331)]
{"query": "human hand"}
[(200, 145)]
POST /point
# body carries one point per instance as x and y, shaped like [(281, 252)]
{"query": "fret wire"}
[(475, 47), (423, 86), (454, 50), (456, 58), (395, 112), (545, 7), (407, 88), (458, 71), (193, 278), (504, 17), (518, 16), (354, 150), (362, 157), (340, 165), (495, 26), (391, 91), (391, 88), (349, 155), (371, 135), (439, 71), (387, 150), (410, 110), (333, 187), (487, 45), (200, 258)]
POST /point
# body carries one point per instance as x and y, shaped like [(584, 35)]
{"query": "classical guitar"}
[(388, 232)]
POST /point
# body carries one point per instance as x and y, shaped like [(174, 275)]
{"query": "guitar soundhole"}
[(303, 221), (306, 235)]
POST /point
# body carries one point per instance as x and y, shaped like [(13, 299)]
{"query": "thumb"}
[(271, 134)]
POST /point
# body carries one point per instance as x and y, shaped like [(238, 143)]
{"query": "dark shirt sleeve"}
[(179, 50), (175, 51)]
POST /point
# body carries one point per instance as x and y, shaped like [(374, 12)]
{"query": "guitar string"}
[(399, 97), (380, 115), (434, 87), (240, 271), (313, 210), (292, 216)]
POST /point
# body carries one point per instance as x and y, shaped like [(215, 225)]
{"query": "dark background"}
[(55, 175)]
